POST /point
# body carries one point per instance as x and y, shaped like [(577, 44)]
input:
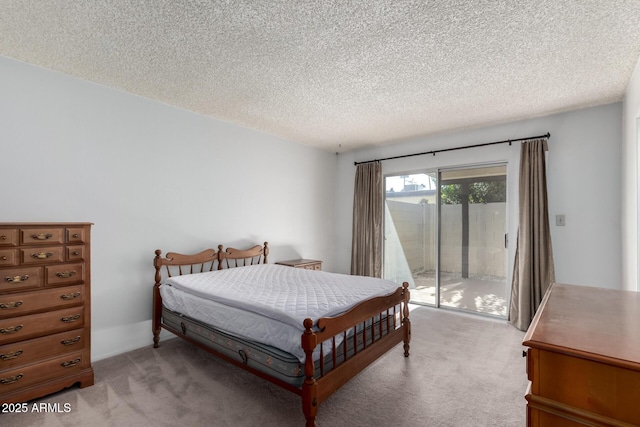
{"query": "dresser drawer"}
[(21, 377), (8, 257), (20, 278), (75, 253), (29, 351), (36, 325), (75, 235), (17, 304), (31, 236), (585, 385), (41, 255), (9, 237), (64, 273)]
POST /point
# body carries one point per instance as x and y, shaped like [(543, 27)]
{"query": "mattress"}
[(268, 303), (265, 358)]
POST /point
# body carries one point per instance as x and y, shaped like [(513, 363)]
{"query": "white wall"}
[(631, 183), (151, 176), (583, 179)]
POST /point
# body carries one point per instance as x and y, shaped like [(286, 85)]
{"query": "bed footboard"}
[(375, 326)]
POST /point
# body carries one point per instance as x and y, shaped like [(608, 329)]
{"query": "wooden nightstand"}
[(307, 264)]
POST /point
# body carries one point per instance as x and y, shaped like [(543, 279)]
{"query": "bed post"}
[(265, 252), (309, 387), (157, 301), (406, 323), (220, 256)]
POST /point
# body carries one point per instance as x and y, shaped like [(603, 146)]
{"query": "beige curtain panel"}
[(533, 270), (366, 243)]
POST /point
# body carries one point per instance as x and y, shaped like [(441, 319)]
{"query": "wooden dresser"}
[(307, 264), (583, 360), (45, 315)]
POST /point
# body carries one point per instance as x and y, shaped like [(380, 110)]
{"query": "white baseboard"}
[(109, 342)]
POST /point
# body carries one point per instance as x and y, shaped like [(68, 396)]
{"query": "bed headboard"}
[(176, 264), (233, 257)]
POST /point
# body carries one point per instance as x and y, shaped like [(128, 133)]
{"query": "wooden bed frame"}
[(316, 388)]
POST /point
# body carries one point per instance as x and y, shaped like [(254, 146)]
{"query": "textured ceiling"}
[(339, 74)]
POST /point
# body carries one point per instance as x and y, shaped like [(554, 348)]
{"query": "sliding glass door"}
[(472, 267), (410, 238), (445, 234)]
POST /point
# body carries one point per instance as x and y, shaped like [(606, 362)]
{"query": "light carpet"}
[(463, 370)]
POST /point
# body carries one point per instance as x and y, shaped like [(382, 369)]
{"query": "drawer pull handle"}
[(9, 356), (68, 319), (42, 236), (66, 274), (72, 295), (17, 279), (41, 255), (70, 341), (3, 237), (11, 380), (4, 258), (75, 253), (70, 363), (75, 235), (10, 305), (11, 329)]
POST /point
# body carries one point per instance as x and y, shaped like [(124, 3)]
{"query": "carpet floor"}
[(463, 370)]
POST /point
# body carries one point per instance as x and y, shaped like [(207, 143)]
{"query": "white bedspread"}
[(268, 303)]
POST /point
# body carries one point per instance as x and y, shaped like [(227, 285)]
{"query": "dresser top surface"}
[(593, 323), (41, 224)]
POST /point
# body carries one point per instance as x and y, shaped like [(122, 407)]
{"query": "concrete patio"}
[(487, 295)]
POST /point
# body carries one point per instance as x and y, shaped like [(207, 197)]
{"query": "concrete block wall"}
[(415, 225)]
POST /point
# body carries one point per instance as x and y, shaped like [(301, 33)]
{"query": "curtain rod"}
[(507, 141)]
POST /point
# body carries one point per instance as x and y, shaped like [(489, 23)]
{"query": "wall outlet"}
[(560, 220)]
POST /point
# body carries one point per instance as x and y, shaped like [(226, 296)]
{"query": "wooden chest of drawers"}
[(45, 314), (583, 359)]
